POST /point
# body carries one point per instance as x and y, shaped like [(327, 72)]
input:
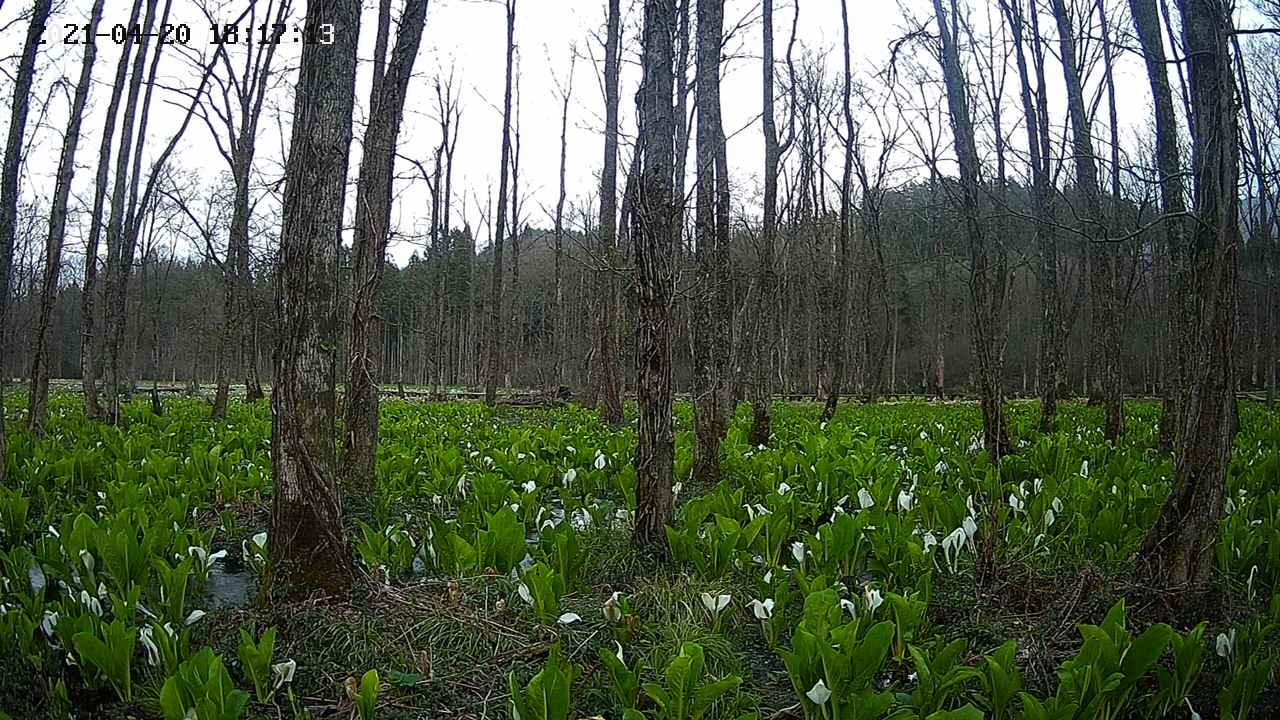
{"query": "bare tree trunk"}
[(608, 375), (515, 344), (653, 241), (308, 546), (558, 323), (89, 349), (1033, 109), (984, 297), (38, 395), (1146, 20), (766, 297), (495, 292), (710, 319), (369, 249), (1105, 325), (9, 177), (1178, 550), (1261, 229), (120, 223), (839, 345)]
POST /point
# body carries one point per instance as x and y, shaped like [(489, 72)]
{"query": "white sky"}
[(469, 35)]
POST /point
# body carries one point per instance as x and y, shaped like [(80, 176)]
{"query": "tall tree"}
[(369, 249), (767, 279), (500, 227), (1035, 116), (1146, 21), (608, 379), (232, 115), (1105, 312), (308, 546), (9, 175), (838, 345), (89, 351), (984, 300), (558, 323), (120, 235), (711, 310), (653, 237), (38, 392), (1178, 550)]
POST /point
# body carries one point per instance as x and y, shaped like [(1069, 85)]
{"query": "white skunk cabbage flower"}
[(763, 610), (600, 461), (1015, 502), (952, 545), (194, 617), (864, 499), (283, 672), (529, 486), (797, 551), (715, 605), (906, 501), (569, 476), (818, 694), (149, 645), (523, 591), (611, 610), (1226, 643), (874, 598), (569, 618)]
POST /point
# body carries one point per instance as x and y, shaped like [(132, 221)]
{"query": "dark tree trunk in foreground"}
[(38, 393), (89, 350), (1178, 550), (1105, 310), (608, 379), (9, 185), (983, 298), (710, 309), (653, 238), (494, 375), (838, 346), (1146, 21), (308, 546), (369, 250)]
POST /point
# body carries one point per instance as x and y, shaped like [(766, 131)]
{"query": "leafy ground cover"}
[(876, 566)]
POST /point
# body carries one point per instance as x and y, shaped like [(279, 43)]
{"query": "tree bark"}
[(711, 321), (369, 249), (1178, 550), (766, 298), (38, 393), (608, 375), (308, 549), (984, 300), (838, 346), (494, 374), (1104, 320), (653, 241), (558, 323), (1146, 20), (9, 177), (120, 230), (89, 349)]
